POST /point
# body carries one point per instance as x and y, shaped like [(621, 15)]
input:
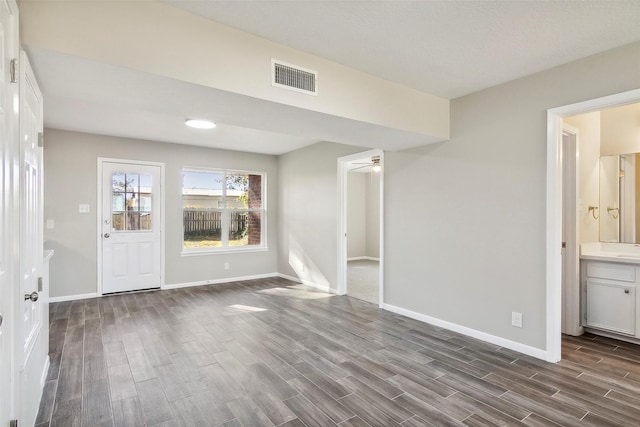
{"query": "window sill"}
[(223, 251)]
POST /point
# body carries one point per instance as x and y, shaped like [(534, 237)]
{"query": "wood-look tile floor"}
[(270, 352)]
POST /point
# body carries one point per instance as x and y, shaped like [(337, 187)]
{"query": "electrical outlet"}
[(516, 319), (83, 208), (49, 223), (226, 265)]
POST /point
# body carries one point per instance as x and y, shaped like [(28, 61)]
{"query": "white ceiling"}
[(446, 48)]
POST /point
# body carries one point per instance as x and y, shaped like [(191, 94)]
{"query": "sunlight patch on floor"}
[(297, 291), (247, 308)]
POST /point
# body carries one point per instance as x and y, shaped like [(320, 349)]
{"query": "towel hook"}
[(593, 210), (615, 214)]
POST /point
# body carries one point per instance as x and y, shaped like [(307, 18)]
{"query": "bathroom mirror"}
[(619, 214)]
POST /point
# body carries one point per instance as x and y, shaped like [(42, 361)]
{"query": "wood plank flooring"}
[(271, 352)]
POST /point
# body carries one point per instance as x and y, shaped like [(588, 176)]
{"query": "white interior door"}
[(8, 151), (571, 323), (31, 244), (131, 227)]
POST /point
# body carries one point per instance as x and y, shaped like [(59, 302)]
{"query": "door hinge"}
[(40, 284), (13, 423), (13, 74), (40, 139)]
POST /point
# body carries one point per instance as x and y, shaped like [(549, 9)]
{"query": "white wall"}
[(609, 198), (588, 126), (621, 130), (71, 179), (308, 220), (356, 214), (373, 215), (478, 252)]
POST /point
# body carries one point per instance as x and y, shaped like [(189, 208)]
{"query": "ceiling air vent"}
[(292, 77)]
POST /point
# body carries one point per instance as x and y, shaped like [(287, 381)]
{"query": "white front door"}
[(131, 226), (31, 246), (8, 151)]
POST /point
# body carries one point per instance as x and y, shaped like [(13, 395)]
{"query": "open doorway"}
[(556, 197), (360, 240)]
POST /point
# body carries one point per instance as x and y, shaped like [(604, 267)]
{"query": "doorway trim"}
[(99, 206), (342, 221), (554, 209)]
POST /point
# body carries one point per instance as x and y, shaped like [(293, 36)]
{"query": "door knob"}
[(33, 296), (107, 235)]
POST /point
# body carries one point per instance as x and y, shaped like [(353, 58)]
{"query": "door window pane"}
[(117, 202), (131, 195), (132, 182), (145, 221), (133, 221), (145, 204), (117, 221), (118, 182)]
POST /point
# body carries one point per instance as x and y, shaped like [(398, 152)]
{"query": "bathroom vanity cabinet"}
[(610, 289), (610, 295)]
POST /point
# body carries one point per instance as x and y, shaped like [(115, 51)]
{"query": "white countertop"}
[(627, 253)]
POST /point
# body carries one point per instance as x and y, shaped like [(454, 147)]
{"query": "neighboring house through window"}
[(223, 210)]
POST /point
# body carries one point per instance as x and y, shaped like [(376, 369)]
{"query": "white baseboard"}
[(209, 282), (218, 281), (323, 288), (502, 342), (73, 297), (361, 258), (173, 286)]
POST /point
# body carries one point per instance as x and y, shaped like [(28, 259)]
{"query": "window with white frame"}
[(223, 210)]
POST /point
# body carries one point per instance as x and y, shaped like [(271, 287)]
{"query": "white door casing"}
[(31, 243), (8, 221), (130, 223)]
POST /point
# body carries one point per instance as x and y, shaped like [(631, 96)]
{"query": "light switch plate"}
[(49, 223), (82, 208)]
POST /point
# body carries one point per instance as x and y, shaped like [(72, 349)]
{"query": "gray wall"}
[(373, 215), (363, 215), (356, 215), (477, 251), (71, 178), (308, 222)]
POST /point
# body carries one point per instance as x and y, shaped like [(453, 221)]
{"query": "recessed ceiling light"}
[(200, 123)]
